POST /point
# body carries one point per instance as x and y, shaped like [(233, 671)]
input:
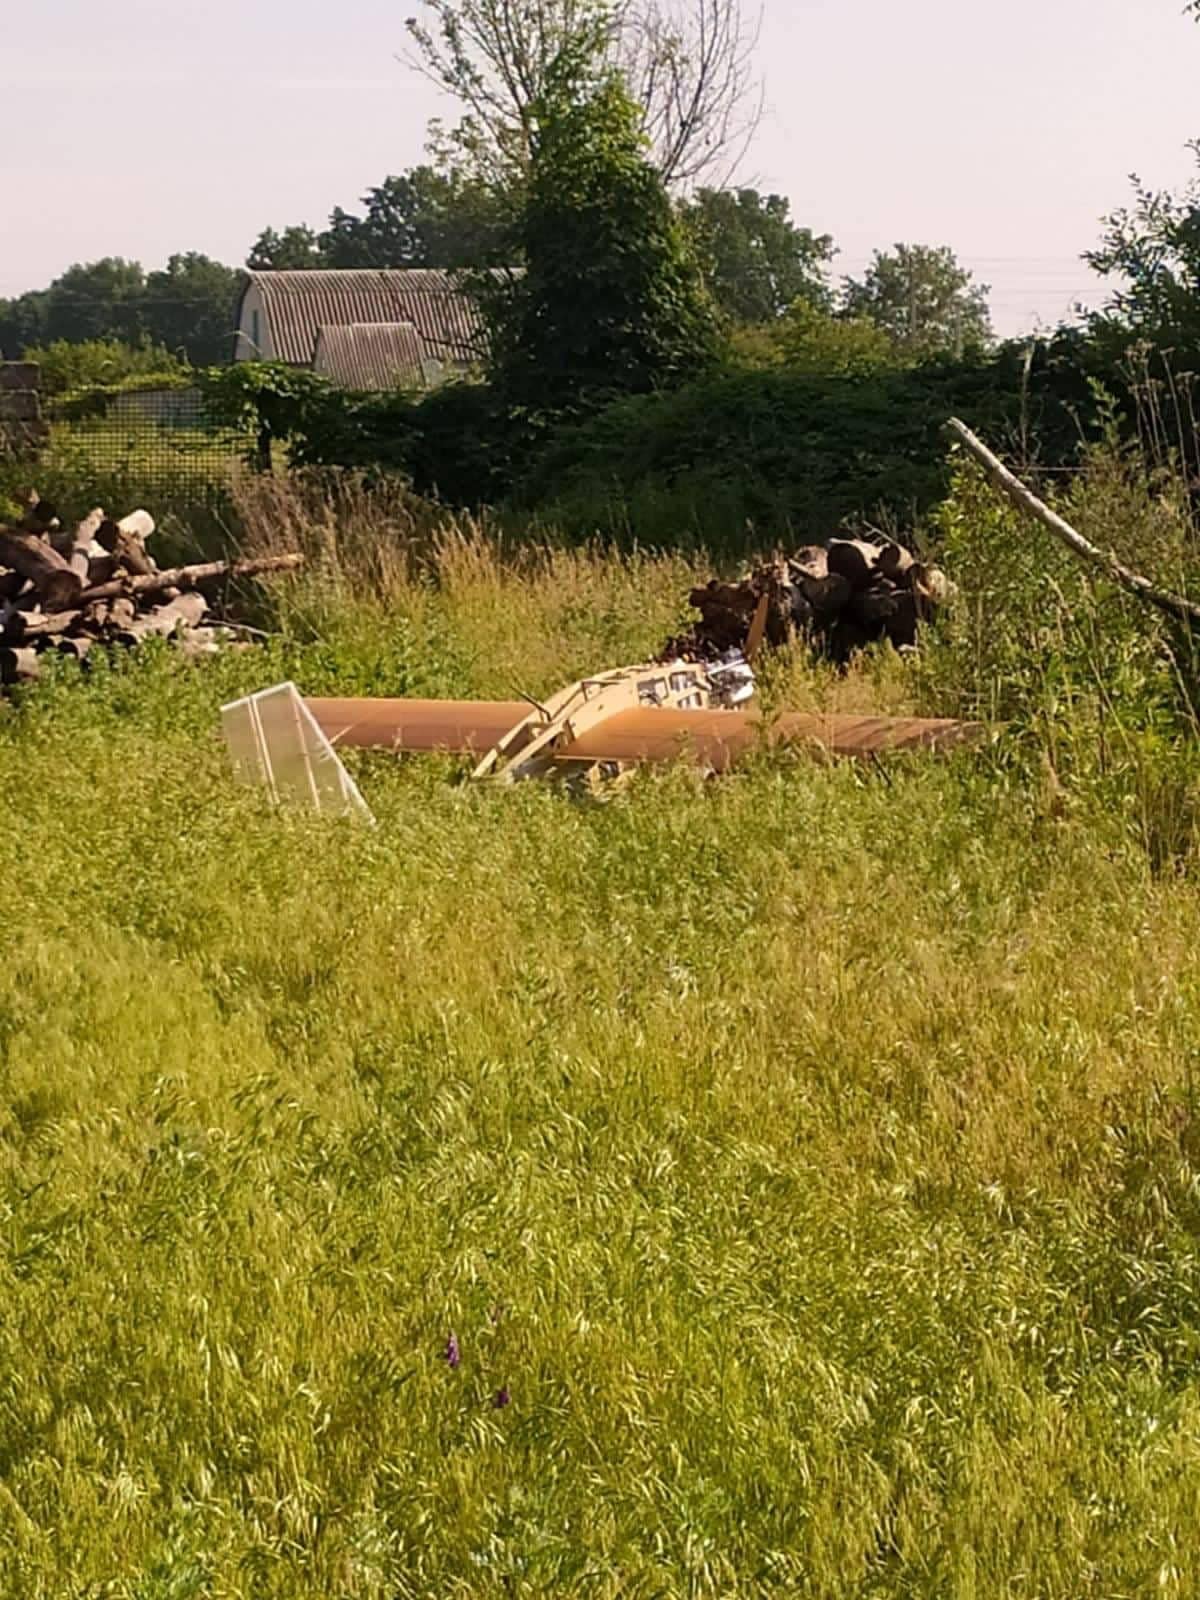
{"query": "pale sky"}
[(1003, 128)]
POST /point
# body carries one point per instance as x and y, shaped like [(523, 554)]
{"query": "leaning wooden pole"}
[(1174, 605), (188, 577)]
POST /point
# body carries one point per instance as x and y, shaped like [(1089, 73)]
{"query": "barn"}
[(372, 328)]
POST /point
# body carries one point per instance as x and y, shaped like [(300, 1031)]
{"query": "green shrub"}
[(793, 452), (105, 364)]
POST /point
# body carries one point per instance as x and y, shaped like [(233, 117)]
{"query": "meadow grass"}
[(806, 1164)]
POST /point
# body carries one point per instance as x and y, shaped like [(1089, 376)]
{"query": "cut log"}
[(137, 525), (18, 663), (125, 542), (873, 606), (880, 592), (76, 646), (130, 556), (83, 542), (853, 559), (811, 562), (37, 560), (189, 577), (101, 569), (28, 625), (895, 562), (183, 613), (829, 595)]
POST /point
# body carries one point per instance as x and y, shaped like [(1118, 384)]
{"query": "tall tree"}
[(807, 339), (422, 218), (22, 323), (611, 299), (688, 64), (187, 307), (97, 300), (190, 307), (923, 298), (1152, 252), (426, 217), (294, 249), (759, 262)]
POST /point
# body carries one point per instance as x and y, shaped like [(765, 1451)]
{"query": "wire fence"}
[(167, 440), (164, 450)]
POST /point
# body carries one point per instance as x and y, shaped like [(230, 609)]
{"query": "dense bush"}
[(66, 366), (782, 447), (799, 451)]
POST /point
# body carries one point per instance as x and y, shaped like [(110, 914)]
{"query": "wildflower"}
[(453, 1353), (502, 1399)]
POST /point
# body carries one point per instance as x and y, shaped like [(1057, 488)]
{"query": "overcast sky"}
[(1006, 130)]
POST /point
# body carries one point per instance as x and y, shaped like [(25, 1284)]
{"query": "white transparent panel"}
[(275, 742)]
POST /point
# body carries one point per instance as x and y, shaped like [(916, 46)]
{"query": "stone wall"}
[(23, 428)]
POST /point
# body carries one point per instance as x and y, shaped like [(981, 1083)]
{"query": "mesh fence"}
[(166, 441)]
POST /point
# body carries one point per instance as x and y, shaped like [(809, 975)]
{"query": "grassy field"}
[(782, 1186)]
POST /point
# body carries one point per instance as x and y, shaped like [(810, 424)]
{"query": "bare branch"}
[(690, 64)]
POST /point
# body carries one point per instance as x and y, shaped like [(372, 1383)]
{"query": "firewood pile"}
[(841, 597), (71, 589)]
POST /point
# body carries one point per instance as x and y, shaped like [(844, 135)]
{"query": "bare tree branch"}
[(690, 64)]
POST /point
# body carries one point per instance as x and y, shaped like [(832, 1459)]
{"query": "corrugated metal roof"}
[(299, 303), (376, 355)]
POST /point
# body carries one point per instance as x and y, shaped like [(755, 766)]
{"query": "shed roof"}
[(299, 303), (375, 355)]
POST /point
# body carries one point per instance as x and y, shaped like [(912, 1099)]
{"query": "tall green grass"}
[(810, 1160)]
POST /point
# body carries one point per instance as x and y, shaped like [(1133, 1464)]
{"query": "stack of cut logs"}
[(841, 597), (70, 589)]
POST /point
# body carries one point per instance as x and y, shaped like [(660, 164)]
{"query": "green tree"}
[(759, 262), (924, 300), (611, 299), (810, 340), (97, 300), (425, 217), (294, 249), (190, 307), (22, 323), (1152, 251)]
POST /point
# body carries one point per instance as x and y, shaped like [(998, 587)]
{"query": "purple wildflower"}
[(453, 1353), (502, 1399)]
